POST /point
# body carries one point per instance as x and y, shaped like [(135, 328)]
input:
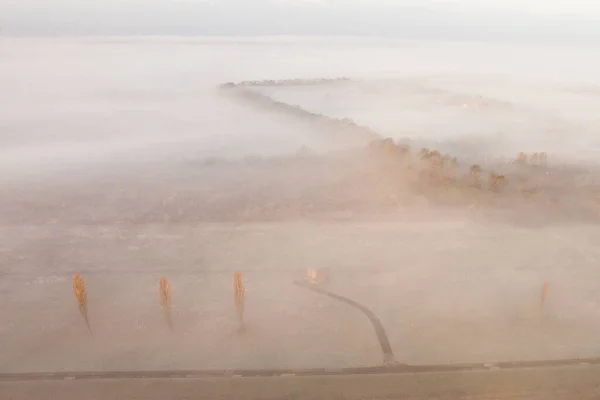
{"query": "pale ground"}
[(451, 284)]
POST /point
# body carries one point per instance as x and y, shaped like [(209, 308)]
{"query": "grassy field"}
[(454, 273)]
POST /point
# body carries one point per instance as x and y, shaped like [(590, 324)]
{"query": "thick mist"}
[(126, 160)]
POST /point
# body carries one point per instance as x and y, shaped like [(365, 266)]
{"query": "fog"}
[(125, 160), (572, 22)]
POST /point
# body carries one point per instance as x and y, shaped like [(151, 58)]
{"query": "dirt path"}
[(563, 383)]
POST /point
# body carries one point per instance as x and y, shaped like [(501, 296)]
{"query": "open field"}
[(454, 273), (125, 182)]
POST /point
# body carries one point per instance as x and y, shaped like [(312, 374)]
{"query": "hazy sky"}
[(401, 18)]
